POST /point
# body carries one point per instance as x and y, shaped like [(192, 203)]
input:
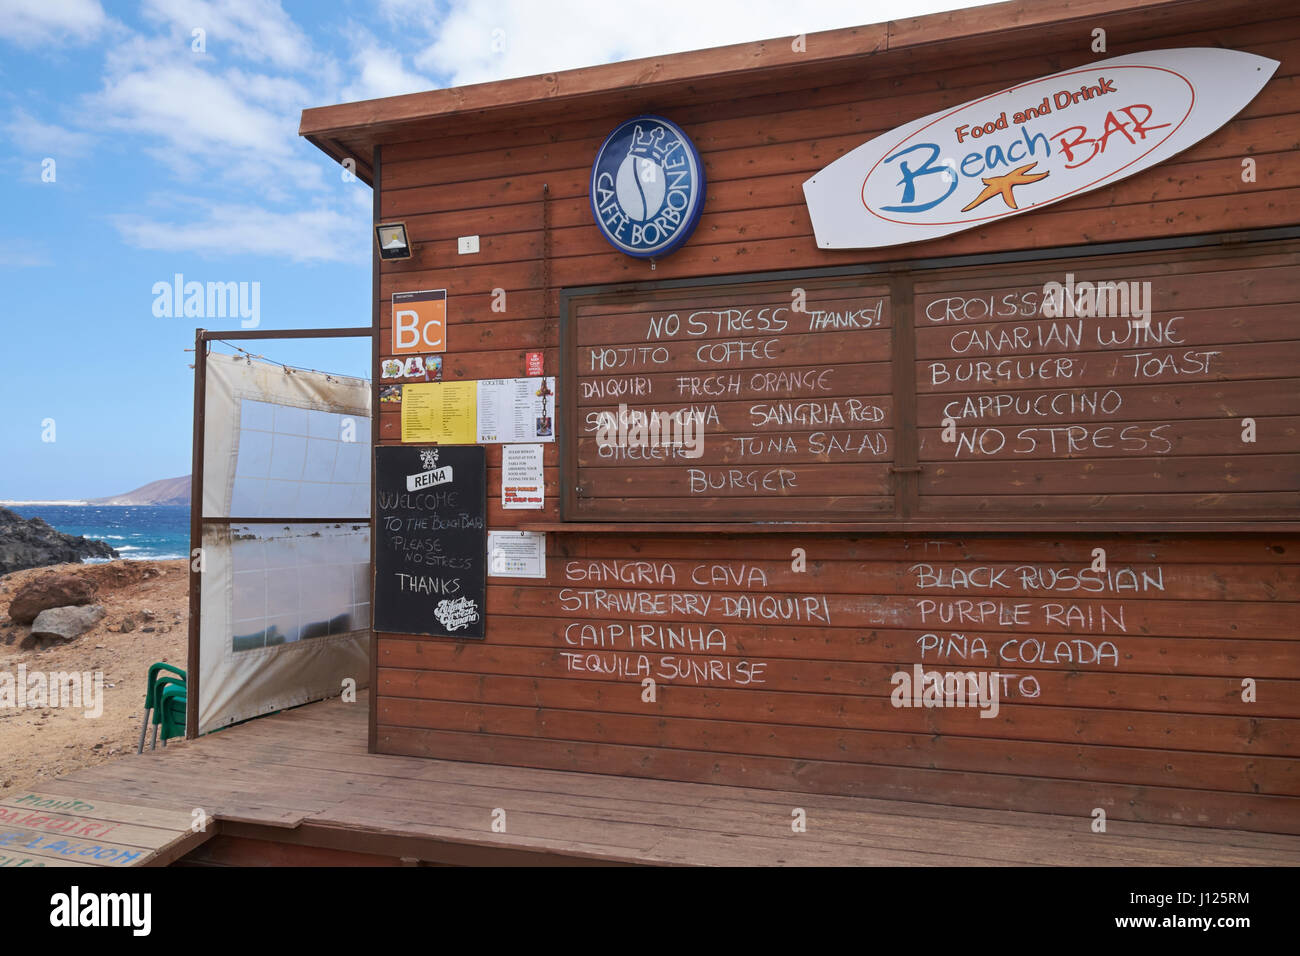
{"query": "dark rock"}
[(50, 590), (31, 543), (66, 623)]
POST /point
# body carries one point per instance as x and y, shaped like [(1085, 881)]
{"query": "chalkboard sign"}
[(430, 540), (1128, 387), (1111, 385), (744, 400)]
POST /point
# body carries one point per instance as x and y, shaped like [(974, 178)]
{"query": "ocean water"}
[(152, 532)]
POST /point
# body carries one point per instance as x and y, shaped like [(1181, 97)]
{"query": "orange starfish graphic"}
[(1003, 185)]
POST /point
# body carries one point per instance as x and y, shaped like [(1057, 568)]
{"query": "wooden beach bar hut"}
[(872, 446), (1108, 522)]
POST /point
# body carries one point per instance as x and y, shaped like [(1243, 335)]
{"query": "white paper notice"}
[(522, 477), (516, 410), (516, 554)]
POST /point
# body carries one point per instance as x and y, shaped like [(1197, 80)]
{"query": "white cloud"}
[(33, 22), (480, 40), (277, 92), (30, 136), (240, 126), (404, 11), (195, 110), (303, 235), (381, 72), (253, 29)]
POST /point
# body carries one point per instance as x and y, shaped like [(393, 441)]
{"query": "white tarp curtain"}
[(285, 611)]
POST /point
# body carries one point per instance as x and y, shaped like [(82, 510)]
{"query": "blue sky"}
[(127, 155)]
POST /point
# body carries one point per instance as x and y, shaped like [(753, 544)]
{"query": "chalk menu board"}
[(787, 383), (1118, 386), (1130, 387), (430, 540)]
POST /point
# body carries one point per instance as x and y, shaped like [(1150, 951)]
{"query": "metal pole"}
[(355, 332), (196, 535), (372, 718)]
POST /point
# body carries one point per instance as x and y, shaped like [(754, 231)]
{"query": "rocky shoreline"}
[(31, 543)]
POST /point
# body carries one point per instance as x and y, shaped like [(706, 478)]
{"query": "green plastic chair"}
[(171, 705), (149, 697), (164, 681)]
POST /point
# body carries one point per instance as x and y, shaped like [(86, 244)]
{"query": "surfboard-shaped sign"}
[(1029, 146)]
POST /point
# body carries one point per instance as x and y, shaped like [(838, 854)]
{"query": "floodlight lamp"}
[(391, 237)]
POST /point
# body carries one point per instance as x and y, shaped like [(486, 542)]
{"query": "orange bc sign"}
[(419, 322)]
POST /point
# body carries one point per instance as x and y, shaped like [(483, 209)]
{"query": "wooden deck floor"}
[(304, 778)]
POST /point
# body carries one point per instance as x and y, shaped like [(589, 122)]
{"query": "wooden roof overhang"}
[(874, 53)]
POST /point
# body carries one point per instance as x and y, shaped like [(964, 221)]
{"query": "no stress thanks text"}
[(1014, 161)]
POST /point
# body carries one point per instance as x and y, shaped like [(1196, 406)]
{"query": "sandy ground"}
[(39, 744)]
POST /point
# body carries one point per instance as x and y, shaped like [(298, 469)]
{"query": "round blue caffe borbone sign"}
[(647, 187)]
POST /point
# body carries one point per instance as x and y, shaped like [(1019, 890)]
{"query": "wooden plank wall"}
[(1154, 729), (1126, 694)]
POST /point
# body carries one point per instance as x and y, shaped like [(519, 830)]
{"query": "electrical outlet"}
[(467, 244)]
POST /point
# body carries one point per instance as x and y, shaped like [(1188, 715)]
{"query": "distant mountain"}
[(168, 491)]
